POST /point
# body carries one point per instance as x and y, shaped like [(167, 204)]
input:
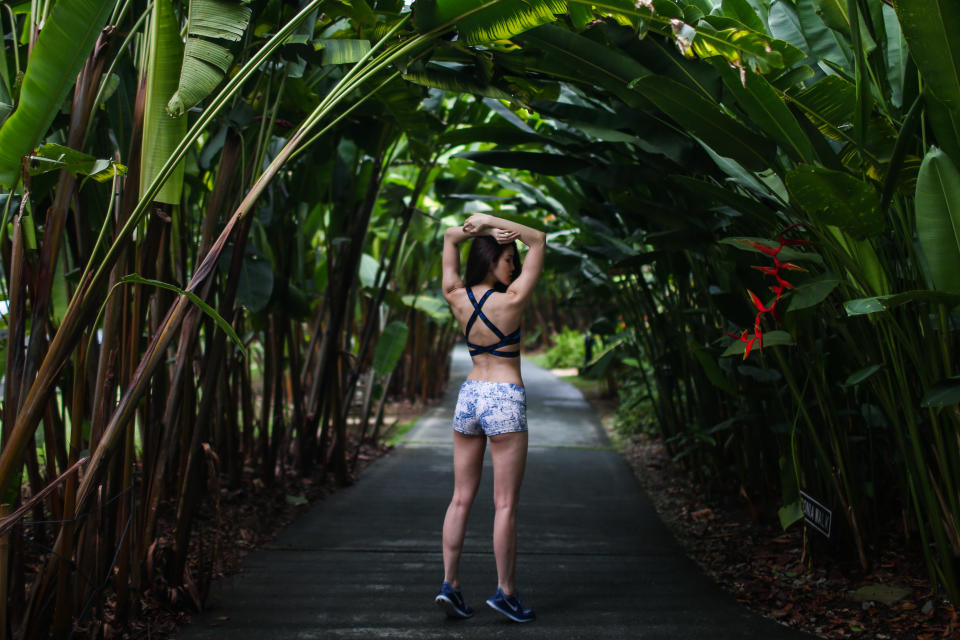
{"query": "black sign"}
[(816, 515)]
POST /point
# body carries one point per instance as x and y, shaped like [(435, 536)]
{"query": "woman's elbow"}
[(540, 238)]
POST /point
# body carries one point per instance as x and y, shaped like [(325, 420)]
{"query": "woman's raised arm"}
[(522, 287), (451, 281)]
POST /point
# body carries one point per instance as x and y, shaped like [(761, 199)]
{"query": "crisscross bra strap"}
[(493, 349)]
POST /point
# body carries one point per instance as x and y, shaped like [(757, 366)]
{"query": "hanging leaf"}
[(222, 19), (390, 347), (485, 21), (64, 43), (938, 219), (205, 63), (195, 299)]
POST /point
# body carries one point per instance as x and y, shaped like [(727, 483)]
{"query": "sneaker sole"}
[(508, 613), (451, 609)]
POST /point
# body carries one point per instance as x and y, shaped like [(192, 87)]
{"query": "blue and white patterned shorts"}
[(490, 408)]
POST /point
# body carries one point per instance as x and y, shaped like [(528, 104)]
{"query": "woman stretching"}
[(492, 401)]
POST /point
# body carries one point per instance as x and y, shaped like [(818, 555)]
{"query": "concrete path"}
[(595, 561)]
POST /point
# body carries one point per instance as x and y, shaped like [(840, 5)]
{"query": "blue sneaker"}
[(451, 601), (511, 607)]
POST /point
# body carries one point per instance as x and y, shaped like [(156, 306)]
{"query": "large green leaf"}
[(876, 304), (742, 11), (932, 30), (449, 80), (768, 112), (161, 131), (742, 47), (486, 20), (897, 54), (579, 59), (946, 126), (64, 43), (54, 157), (836, 198), (830, 104), (938, 219), (708, 122), (205, 62), (824, 43), (390, 347), (344, 50)]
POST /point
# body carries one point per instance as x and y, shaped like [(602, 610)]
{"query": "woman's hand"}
[(502, 236), (477, 225)]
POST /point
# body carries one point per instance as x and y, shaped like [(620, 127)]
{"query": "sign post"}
[(816, 515)]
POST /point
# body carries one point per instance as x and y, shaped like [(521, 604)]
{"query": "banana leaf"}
[(64, 43), (768, 112), (205, 62), (938, 219), (162, 132), (486, 21), (838, 199), (708, 122), (578, 59), (932, 30)]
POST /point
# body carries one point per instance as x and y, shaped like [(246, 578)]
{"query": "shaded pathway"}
[(595, 561)]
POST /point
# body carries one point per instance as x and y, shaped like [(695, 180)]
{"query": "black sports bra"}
[(493, 349)]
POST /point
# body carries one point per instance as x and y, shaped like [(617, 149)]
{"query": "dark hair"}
[(484, 252)]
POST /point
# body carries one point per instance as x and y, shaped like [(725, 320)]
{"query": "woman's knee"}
[(462, 500), (505, 504)]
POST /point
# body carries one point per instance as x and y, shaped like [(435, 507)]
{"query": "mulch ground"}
[(765, 568), (223, 535)]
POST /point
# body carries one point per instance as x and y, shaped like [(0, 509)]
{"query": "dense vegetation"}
[(221, 247)]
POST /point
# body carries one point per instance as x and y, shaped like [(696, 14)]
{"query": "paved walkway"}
[(595, 561)]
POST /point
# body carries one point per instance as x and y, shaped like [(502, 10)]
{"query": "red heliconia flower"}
[(762, 248), (758, 303), (770, 271), (744, 337), (789, 266)]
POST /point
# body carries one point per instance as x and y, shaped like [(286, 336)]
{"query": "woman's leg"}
[(509, 452), (467, 467)]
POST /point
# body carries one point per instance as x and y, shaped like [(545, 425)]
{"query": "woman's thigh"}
[(467, 462), (509, 453)]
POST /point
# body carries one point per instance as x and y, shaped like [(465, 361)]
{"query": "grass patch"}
[(399, 430)]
